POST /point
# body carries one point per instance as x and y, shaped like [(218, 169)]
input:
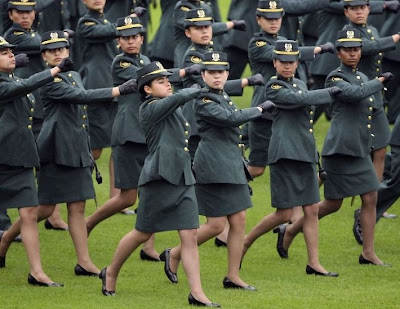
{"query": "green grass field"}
[(280, 283)]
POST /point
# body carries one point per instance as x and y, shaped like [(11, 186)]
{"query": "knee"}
[(217, 226), (128, 198), (238, 219), (311, 210), (28, 214)]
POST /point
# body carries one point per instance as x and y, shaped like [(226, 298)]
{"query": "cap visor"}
[(272, 15), (7, 46), (349, 44), (129, 32), (355, 3), (23, 7), (216, 67), (54, 45)]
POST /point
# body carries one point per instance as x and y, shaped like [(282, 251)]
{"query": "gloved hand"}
[(256, 80), (334, 90), (387, 76), (195, 86), (328, 47), (194, 69), (66, 65), (267, 106), (190, 93), (139, 11), (392, 6), (239, 25), (70, 32), (128, 87), (21, 60)]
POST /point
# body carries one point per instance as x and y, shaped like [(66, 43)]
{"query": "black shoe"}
[(357, 232), (173, 277), (363, 261), (228, 284), (280, 230), (103, 277), (49, 226), (80, 271), (312, 271), (145, 257), (18, 239), (219, 243), (195, 302), (2, 261), (32, 280)]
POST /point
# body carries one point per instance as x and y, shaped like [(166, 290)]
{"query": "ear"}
[(147, 89), (44, 57), (346, 12), (274, 63), (187, 32), (338, 55)]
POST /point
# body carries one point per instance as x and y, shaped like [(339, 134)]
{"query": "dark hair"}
[(143, 93)]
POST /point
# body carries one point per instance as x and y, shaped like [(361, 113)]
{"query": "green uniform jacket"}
[(182, 42), (219, 157), (64, 138), (350, 131), (18, 147), (126, 123), (55, 16), (99, 49), (167, 132), (391, 26), (292, 128)]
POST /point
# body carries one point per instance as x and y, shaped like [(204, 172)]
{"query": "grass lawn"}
[(280, 283)]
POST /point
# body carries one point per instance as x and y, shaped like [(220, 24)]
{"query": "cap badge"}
[(159, 65), (273, 5), (201, 13), (54, 35), (215, 56), (24, 0), (350, 34), (288, 47), (128, 21)]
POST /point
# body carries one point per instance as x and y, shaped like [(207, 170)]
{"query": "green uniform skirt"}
[(380, 129), (166, 207), (17, 187), (348, 176), (259, 139), (101, 120), (222, 199), (293, 183), (64, 184), (128, 163)]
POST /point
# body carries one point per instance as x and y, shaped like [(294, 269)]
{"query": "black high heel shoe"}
[(363, 261), (280, 230), (228, 284), (219, 243), (103, 277), (80, 271), (312, 271), (2, 261), (165, 257), (145, 257), (32, 280), (195, 302), (50, 226)]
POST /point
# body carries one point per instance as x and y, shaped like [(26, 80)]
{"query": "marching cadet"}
[(181, 41), (221, 184), (345, 155), (19, 156), (357, 12), (292, 152), (166, 184)]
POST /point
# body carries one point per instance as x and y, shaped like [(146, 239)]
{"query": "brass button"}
[(380, 54), (30, 118), (379, 62), (29, 127), (27, 95), (300, 91), (371, 99), (369, 31), (73, 83), (32, 110), (33, 35), (186, 149), (9, 75), (33, 101), (186, 141), (311, 130), (230, 103), (69, 75), (225, 96), (187, 124), (369, 126), (85, 107), (106, 21), (377, 69), (358, 77), (372, 38), (294, 85), (84, 116), (311, 113), (141, 61), (186, 133), (236, 109), (240, 127), (370, 108), (240, 136), (83, 126), (369, 117), (311, 121)]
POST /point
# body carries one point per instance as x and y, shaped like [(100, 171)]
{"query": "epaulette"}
[(89, 23), (195, 59), (57, 79), (184, 8), (151, 102), (276, 86), (274, 77), (18, 32), (336, 79), (206, 100), (193, 48), (261, 43), (124, 64)]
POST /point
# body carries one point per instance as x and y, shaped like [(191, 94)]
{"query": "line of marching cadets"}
[(162, 138)]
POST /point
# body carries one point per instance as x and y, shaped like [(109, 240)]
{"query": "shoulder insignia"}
[(89, 23), (207, 100), (151, 102), (195, 59), (184, 8), (193, 48), (336, 79), (18, 32), (274, 77), (261, 43), (276, 86), (124, 64), (57, 79)]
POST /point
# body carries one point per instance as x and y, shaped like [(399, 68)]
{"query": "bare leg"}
[(191, 263), (125, 248), (265, 225), (113, 190), (297, 213), (78, 232), (56, 220), (224, 235), (149, 249), (379, 162)]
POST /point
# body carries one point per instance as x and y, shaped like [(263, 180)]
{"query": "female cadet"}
[(19, 156), (347, 145), (292, 154), (221, 185), (166, 183), (63, 162)]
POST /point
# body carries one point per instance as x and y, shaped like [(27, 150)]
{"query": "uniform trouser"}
[(389, 189), (238, 60), (393, 93), (5, 221)]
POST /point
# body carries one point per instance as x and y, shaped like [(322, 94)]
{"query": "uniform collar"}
[(216, 91), (359, 26), (347, 69), (16, 26), (200, 46), (95, 14), (268, 35), (284, 79), (132, 56), (6, 75)]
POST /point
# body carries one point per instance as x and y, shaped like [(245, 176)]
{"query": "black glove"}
[(194, 69), (392, 6), (21, 60), (328, 47), (239, 25), (71, 33), (387, 76), (128, 87), (256, 80), (139, 11), (66, 65), (267, 106), (334, 90)]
